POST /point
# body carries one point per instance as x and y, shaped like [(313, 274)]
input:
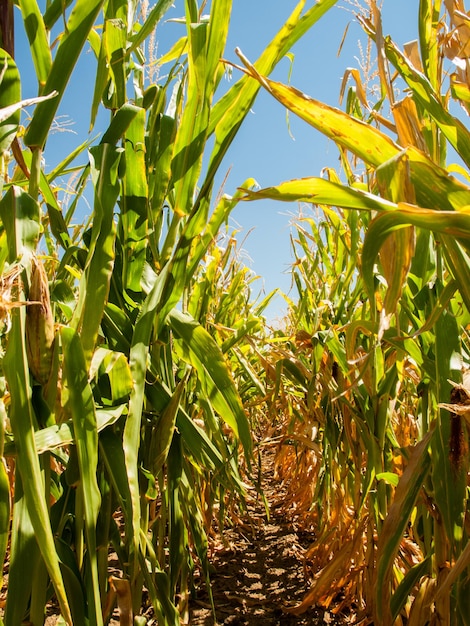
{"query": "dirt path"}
[(260, 571), (257, 570)]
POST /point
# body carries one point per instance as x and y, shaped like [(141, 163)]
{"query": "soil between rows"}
[(257, 570)]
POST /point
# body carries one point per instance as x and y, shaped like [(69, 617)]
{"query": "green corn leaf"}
[(206, 44), (120, 122), (250, 373), (177, 275), (177, 50), (54, 11), (151, 21), (115, 40), (198, 446), (20, 217), (429, 24), (105, 160), (80, 404), (24, 556), (57, 222), (389, 477), (243, 328), (216, 38), (456, 254), (448, 472), (192, 131), (192, 507), (138, 362), (158, 586), (111, 441), (165, 428), (395, 524), (38, 40), (72, 580), (134, 205), (59, 435), (117, 328), (115, 367), (197, 443), (407, 585), (79, 25), (161, 174), (22, 423), (10, 95), (176, 530), (201, 351), (113, 454), (97, 44), (443, 302), (211, 228)]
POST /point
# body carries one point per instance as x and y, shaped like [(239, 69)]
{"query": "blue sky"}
[(265, 149)]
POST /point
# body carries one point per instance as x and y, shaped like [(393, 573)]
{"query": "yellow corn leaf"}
[(454, 229), (321, 191), (460, 90), (386, 83), (362, 139), (338, 567), (122, 590), (421, 608), (396, 255), (460, 36), (360, 92), (177, 50), (426, 97), (397, 251), (408, 125), (411, 49)]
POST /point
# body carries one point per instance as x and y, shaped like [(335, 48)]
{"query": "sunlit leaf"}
[(79, 24), (38, 40), (203, 353)]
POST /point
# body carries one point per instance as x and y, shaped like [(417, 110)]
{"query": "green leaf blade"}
[(79, 25)]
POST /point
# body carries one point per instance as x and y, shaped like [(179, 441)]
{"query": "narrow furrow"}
[(258, 570)]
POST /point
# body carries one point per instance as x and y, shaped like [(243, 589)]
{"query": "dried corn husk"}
[(39, 325)]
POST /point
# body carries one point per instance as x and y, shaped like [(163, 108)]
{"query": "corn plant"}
[(396, 426), (118, 396)]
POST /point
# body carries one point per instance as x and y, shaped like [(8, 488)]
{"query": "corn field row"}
[(139, 378)]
